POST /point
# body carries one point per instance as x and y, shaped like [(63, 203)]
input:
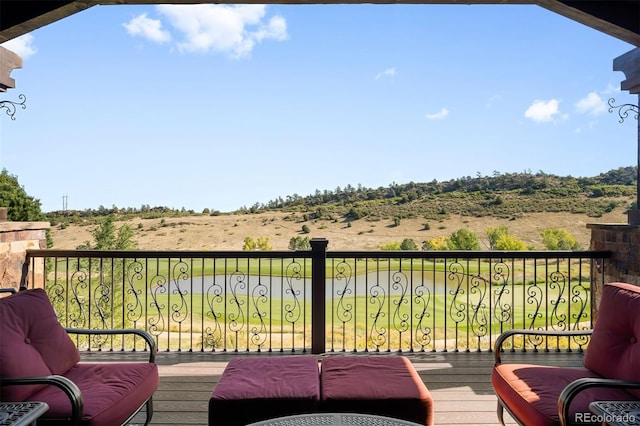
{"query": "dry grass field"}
[(227, 232)]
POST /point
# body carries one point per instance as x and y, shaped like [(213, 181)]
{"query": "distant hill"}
[(502, 195)]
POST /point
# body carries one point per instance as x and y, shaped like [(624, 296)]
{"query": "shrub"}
[(463, 239), (299, 243), (264, 244), (494, 234), (438, 243), (558, 239), (408, 244), (249, 244), (508, 242), (392, 246)]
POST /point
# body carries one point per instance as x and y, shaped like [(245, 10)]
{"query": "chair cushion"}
[(382, 385), (258, 388), (531, 391), (614, 350), (32, 342), (111, 392)]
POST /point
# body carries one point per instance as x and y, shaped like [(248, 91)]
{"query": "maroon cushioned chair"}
[(39, 362), (544, 395)]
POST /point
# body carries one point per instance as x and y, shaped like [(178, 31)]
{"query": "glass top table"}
[(334, 419), (21, 413)]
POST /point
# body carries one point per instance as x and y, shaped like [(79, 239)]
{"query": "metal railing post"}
[(318, 296)]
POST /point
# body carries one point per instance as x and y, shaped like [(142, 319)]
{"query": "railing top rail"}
[(464, 254), (288, 254), (155, 254)]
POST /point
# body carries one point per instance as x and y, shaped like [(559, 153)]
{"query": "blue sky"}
[(222, 106)]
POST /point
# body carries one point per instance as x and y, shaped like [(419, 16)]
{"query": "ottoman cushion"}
[(252, 389), (383, 385)]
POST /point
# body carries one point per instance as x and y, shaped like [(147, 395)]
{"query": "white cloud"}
[(543, 111), (391, 72), (233, 29), (591, 104), (150, 29), (438, 115), (23, 46)]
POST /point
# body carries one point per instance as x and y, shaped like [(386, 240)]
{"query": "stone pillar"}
[(15, 239), (629, 64), (623, 241)]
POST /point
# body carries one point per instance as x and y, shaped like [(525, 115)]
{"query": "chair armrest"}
[(67, 386), (574, 388), (142, 333), (497, 348)]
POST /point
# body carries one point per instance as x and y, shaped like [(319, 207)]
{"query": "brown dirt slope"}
[(227, 232)]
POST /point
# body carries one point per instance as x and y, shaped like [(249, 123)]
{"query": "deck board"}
[(459, 383)]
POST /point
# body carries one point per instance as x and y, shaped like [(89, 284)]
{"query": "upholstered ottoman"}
[(257, 388), (383, 385)]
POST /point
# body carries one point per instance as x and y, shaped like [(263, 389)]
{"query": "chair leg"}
[(149, 411), (500, 411)]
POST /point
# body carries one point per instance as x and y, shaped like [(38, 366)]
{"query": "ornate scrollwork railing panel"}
[(236, 314), (557, 300), (101, 299), (478, 289), (457, 280), (344, 310), (502, 292), (134, 307), (293, 301), (158, 322), (377, 300), (213, 334), (78, 316), (579, 304), (414, 301), (260, 302), (400, 300), (422, 296)]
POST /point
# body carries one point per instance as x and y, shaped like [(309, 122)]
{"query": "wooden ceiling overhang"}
[(617, 18)]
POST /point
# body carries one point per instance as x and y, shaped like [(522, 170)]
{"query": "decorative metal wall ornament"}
[(11, 106), (623, 110)]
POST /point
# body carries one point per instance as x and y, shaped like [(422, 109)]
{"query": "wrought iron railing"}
[(319, 300)]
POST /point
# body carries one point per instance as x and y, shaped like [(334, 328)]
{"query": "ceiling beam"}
[(18, 17), (617, 18)]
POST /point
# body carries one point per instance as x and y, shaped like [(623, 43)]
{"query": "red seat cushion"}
[(111, 392), (531, 391), (253, 389), (32, 342), (614, 349), (383, 385)]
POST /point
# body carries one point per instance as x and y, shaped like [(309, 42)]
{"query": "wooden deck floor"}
[(459, 383)]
